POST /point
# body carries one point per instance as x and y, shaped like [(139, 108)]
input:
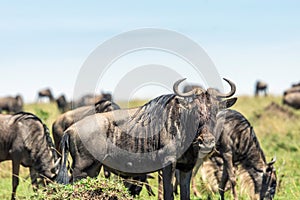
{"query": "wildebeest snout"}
[(206, 141)]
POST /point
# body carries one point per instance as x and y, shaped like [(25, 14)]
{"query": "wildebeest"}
[(46, 93), (190, 87), (166, 121), (261, 87), (67, 119), (293, 89), (292, 100), (62, 104), (291, 96), (91, 99), (11, 104), (25, 140), (239, 146), (296, 84)]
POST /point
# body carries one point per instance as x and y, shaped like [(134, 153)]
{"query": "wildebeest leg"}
[(168, 175), (185, 180), (176, 182), (15, 177), (149, 189), (222, 183), (160, 185), (33, 177), (91, 169), (229, 174)]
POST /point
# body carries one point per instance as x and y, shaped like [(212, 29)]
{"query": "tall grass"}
[(278, 134)]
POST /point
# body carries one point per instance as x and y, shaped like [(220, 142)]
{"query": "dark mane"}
[(105, 105), (24, 116), (154, 107)]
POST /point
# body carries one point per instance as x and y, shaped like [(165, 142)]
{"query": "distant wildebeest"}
[(296, 84), (90, 99), (291, 96), (11, 104), (190, 87), (62, 104), (166, 121), (64, 121), (261, 87), (292, 100), (295, 89), (45, 93), (238, 146), (25, 140)]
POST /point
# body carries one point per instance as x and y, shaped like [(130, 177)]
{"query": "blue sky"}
[(45, 43)]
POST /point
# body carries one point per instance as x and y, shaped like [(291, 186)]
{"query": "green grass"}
[(278, 134), (85, 189)]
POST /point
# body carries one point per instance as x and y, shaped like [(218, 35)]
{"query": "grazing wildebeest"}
[(11, 104), (67, 119), (292, 99), (166, 121), (62, 104), (293, 89), (91, 99), (261, 87), (46, 93), (190, 87), (25, 140), (238, 145), (296, 84), (291, 96)]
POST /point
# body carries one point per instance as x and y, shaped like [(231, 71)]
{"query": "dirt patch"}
[(280, 111)]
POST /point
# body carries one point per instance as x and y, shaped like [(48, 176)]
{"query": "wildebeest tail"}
[(63, 176)]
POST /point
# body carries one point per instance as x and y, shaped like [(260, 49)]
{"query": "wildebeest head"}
[(19, 100), (208, 102), (269, 181)]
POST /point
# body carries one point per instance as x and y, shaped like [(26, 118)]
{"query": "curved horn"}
[(218, 94), (187, 94), (272, 161)]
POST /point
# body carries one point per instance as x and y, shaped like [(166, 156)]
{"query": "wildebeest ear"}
[(227, 103)]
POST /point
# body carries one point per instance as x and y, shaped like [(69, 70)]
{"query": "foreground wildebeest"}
[(170, 121), (11, 104), (67, 119), (261, 87), (62, 104), (238, 145), (46, 93), (91, 99), (25, 140)]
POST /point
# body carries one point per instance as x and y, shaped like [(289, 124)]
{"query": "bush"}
[(85, 189)]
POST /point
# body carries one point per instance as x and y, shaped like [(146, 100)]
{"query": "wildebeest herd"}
[(219, 139)]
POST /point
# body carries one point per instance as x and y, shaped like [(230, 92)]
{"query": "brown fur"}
[(25, 140), (11, 104)]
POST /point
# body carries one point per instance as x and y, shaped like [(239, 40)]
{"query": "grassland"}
[(278, 131)]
